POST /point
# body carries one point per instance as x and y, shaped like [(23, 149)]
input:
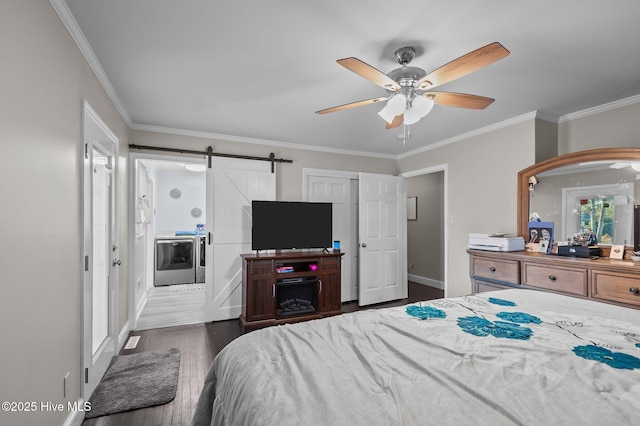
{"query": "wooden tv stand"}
[(261, 273)]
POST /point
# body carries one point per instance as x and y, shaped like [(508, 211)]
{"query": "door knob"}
[(364, 245), (117, 262)]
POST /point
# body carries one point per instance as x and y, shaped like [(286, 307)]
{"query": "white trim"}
[(255, 141), (75, 418), (60, 6), (86, 107), (122, 337), (601, 108), (92, 122), (433, 169), (426, 281), (307, 172)]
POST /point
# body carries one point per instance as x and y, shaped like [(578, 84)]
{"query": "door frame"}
[(92, 126), (133, 311), (446, 219)]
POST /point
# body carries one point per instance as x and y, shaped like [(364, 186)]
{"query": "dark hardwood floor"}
[(199, 344)]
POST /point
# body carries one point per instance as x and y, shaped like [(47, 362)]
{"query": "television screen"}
[(291, 225)]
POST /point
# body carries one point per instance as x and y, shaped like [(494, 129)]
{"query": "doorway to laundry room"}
[(169, 248)]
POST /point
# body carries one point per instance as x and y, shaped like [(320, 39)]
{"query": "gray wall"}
[(619, 127), (425, 236), (43, 80), (482, 189)]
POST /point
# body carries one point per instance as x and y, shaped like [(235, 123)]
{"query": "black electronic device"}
[(579, 251), (283, 225)]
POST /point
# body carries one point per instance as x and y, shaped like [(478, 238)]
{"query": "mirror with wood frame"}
[(592, 191)]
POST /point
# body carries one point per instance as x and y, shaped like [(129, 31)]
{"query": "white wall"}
[(43, 80), (175, 214)]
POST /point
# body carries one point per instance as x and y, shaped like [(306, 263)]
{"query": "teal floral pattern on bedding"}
[(425, 312), (606, 356), (483, 327), (510, 328), (519, 317), (501, 302)]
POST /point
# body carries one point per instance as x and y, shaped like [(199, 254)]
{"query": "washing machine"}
[(175, 260)]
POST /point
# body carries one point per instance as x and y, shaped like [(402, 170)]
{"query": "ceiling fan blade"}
[(462, 66), (397, 121), (352, 105), (370, 73), (459, 100)]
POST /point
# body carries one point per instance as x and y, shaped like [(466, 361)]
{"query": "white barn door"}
[(231, 186), (383, 238)]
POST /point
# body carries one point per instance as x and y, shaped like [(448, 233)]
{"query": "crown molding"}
[(468, 135), (601, 108), (72, 26), (255, 141)]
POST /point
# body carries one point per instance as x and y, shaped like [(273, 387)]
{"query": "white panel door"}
[(100, 249), (338, 191), (231, 186), (383, 238)]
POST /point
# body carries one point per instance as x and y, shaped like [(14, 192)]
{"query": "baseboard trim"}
[(75, 417), (122, 337), (426, 281)]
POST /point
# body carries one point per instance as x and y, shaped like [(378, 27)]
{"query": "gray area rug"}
[(136, 381)]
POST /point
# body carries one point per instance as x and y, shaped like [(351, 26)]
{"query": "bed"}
[(505, 357)]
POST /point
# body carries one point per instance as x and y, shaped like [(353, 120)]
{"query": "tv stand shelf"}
[(261, 273)]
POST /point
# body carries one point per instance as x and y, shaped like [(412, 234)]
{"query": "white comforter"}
[(507, 357)]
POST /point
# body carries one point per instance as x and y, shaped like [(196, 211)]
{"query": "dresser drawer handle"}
[(552, 278), (635, 290), (492, 269)]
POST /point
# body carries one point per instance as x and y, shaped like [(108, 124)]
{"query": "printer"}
[(495, 242)]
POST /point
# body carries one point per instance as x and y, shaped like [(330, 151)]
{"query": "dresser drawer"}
[(499, 270), (617, 287), (481, 286), (564, 279)]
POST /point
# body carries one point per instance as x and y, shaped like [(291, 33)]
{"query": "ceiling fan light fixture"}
[(635, 166), (422, 105), (386, 115), (411, 116), (395, 106)]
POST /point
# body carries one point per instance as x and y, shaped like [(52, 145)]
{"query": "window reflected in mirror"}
[(596, 197)]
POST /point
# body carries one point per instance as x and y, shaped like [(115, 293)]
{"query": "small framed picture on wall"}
[(412, 208)]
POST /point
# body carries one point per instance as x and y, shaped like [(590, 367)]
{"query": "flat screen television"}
[(290, 225)]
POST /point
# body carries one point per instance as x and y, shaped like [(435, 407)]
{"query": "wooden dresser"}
[(605, 280)]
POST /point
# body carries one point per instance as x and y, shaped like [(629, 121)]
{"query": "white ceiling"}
[(257, 70)]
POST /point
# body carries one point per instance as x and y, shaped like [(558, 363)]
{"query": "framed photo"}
[(617, 252), (412, 208), (539, 232)]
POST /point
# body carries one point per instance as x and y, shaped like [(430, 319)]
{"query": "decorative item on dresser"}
[(602, 278), (289, 287)]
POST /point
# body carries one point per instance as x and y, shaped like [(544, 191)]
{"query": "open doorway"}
[(169, 213), (426, 227)]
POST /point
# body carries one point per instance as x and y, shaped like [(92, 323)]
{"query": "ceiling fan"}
[(409, 88)]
